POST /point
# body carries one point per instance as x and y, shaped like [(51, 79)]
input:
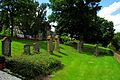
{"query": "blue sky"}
[(110, 11)]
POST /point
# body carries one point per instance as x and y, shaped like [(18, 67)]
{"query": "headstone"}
[(6, 46), (26, 49), (36, 47), (81, 45), (49, 45), (96, 50), (57, 48), (78, 46)]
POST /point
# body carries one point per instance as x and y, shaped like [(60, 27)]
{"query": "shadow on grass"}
[(56, 55), (63, 53), (90, 50)]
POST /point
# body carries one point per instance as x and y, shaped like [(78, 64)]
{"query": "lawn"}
[(77, 66), (85, 66), (18, 47)]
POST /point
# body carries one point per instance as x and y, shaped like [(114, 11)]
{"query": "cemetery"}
[(71, 43)]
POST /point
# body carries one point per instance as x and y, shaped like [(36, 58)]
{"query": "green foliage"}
[(27, 15), (5, 32), (116, 41), (102, 32), (33, 66), (74, 17), (64, 39)]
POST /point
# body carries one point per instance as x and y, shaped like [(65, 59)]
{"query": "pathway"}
[(6, 76)]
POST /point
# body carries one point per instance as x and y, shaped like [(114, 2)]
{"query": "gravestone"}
[(26, 49), (78, 46), (49, 45), (36, 47), (6, 46), (96, 53), (57, 48)]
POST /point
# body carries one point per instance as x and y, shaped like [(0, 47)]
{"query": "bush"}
[(116, 42), (31, 68)]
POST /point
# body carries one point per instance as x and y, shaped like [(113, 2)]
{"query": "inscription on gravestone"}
[(6, 46)]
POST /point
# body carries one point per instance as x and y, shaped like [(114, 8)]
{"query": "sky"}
[(110, 10)]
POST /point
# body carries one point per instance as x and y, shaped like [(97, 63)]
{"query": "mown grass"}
[(85, 66), (77, 66), (17, 47)]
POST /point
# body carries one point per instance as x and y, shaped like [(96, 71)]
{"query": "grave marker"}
[(57, 48), (6, 46), (26, 49), (49, 45), (36, 47)]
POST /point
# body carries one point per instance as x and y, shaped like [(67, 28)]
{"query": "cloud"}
[(106, 13)]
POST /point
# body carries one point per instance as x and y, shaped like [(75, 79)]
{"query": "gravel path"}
[(6, 76)]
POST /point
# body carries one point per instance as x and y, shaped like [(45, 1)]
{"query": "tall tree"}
[(102, 32), (74, 16), (7, 11), (27, 15)]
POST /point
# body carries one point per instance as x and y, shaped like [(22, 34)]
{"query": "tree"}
[(102, 32), (74, 16), (116, 41), (7, 11), (27, 15)]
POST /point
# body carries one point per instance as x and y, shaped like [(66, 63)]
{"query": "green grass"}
[(85, 66), (17, 48), (77, 66)]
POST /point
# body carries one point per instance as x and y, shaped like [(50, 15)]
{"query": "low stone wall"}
[(117, 56)]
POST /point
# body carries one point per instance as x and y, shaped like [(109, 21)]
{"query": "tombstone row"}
[(36, 48), (52, 44)]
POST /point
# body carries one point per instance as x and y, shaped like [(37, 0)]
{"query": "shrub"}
[(116, 42), (33, 66)]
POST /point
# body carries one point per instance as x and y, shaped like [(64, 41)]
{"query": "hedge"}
[(33, 66)]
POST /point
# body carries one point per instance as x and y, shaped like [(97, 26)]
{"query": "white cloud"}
[(106, 13)]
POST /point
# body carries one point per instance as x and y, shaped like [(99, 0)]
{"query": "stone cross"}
[(36, 47), (6, 46)]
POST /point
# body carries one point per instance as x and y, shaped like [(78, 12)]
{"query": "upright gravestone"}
[(49, 45), (36, 47), (57, 48), (96, 50), (6, 46), (78, 46), (26, 49)]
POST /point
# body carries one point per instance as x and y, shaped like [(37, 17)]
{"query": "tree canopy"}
[(74, 16), (28, 15), (78, 18)]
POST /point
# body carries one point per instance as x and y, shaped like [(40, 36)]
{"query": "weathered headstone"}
[(6, 46), (57, 48), (96, 50), (78, 46), (36, 47), (26, 49), (49, 45)]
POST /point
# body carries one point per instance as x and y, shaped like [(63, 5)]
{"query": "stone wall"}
[(117, 56)]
